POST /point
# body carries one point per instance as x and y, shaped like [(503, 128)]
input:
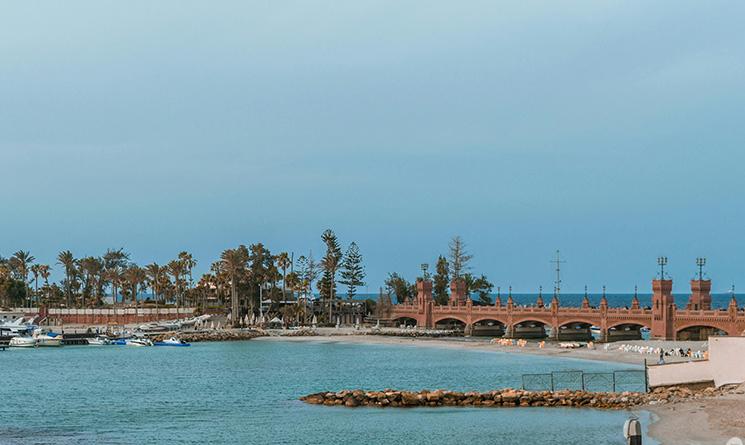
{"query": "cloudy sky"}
[(614, 131)]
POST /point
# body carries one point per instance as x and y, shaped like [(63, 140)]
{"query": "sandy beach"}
[(704, 422), (600, 353)]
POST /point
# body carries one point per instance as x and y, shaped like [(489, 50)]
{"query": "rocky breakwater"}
[(505, 398), (212, 335)]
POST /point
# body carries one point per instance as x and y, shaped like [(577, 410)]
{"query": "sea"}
[(247, 393)]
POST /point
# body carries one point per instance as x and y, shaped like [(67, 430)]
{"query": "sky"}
[(611, 130)]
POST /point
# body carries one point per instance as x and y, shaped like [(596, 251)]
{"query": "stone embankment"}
[(507, 398), (215, 335)]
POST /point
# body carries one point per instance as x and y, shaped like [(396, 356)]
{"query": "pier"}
[(665, 320)]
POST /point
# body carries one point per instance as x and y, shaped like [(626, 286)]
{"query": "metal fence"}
[(615, 381)]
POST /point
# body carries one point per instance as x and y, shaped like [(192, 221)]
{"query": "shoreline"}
[(702, 422), (612, 355)]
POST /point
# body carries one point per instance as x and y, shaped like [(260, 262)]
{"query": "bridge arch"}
[(579, 320), (451, 323), (488, 318), (488, 327), (639, 323), (532, 320), (404, 320), (530, 327), (575, 329), (627, 330), (449, 317), (701, 331)]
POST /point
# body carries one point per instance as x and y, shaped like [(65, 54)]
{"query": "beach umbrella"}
[(245, 320), (230, 315), (315, 320), (212, 325)]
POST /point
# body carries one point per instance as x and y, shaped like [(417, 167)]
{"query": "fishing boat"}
[(22, 342), (173, 341), (119, 342)]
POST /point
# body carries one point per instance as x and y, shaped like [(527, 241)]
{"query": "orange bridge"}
[(664, 320)]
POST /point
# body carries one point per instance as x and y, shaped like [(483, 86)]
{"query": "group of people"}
[(661, 352), (511, 342)]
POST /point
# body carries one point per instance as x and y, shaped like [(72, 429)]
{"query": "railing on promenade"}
[(612, 381)]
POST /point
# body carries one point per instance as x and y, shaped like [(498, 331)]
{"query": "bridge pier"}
[(468, 331)]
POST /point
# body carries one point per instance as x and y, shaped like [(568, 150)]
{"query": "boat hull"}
[(22, 342)]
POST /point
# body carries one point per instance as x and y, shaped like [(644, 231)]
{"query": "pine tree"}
[(441, 281), (352, 271), (330, 264), (459, 258)]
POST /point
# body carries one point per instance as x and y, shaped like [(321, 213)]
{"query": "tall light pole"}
[(662, 262), (700, 262)]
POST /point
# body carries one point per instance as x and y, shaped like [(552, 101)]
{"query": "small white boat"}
[(139, 342), (47, 338), (595, 330), (99, 341), (173, 341), (22, 342)]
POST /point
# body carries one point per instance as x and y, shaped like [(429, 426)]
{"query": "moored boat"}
[(99, 341), (22, 342), (139, 342), (47, 338), (173, 341)]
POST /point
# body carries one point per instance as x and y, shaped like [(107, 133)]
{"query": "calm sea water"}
[(246, 392)]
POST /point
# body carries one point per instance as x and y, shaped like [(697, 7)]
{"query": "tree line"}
[(447, 269), (237, 279)]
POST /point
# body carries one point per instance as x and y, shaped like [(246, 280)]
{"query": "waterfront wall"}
[(58, 316), (725, 366)]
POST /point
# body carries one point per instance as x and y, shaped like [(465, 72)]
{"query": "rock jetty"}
[(216, 335), (506, 398)]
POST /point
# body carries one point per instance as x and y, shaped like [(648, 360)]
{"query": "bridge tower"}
[(424, 303), (458, 292), (700, 289), (663, 305)]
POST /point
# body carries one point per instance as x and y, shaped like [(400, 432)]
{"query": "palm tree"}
[(134, 277), (154, 275), (67, 260), (45, 271), (36, 271), (91, 268), (114, 276), (176, 269), (284, 263), (234, 261), (114, 261), (22, 261), (188, 263)]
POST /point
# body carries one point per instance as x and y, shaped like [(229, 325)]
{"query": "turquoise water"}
[(246, 392)]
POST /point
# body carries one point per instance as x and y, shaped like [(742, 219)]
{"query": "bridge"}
[(697, 321)]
